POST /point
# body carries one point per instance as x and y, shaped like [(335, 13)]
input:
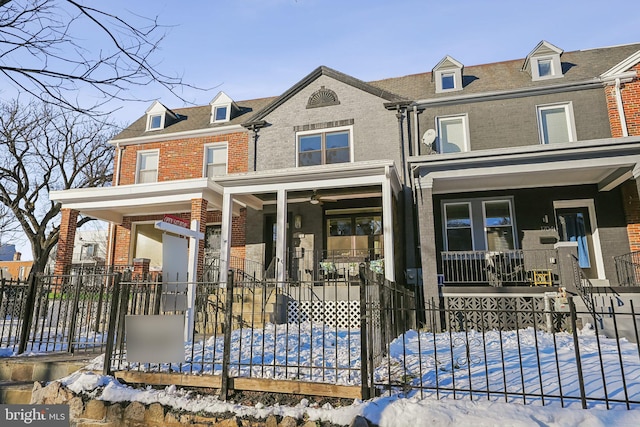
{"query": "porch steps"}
[(250, 308), (17, 374)]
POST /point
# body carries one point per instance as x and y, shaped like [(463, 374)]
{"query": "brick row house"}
[(439, 172)]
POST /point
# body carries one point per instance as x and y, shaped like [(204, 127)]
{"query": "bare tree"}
[(43, 148), (42, 53)]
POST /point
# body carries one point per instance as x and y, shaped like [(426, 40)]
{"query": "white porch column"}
[(281, 236), (192, 270), (387, 230), (225, 237)]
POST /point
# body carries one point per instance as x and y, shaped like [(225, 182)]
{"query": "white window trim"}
[(213, 113), (556, 67), (444, 223), (595, 233), (204, 157), (571, 123), (457, 79), (513, 220), (465, 123), (138, 155), (326, 130), (150, 118)]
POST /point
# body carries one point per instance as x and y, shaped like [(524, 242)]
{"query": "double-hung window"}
[(323, 148), (555, 123), (453, 134), (147, 167), (215, 160), (458, 226), (498, 225)]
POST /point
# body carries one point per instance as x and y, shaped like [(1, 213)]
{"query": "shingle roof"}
[(577, 66), (195, 118), (498, 76)]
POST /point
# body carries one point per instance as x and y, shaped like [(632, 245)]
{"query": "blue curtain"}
[(576, 232)]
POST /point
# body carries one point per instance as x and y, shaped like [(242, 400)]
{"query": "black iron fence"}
[(369, 333), (628, 269), (532, 350), (55, 313)]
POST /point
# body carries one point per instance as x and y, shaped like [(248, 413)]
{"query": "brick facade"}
[(64, 255), (630, 93), (184, 158)]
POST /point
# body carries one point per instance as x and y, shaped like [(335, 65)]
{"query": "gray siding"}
[(375, 129), (513, 122)]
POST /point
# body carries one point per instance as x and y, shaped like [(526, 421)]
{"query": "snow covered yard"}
[(485, 370)]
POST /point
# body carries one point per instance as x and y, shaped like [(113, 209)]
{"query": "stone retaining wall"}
[(98, 413)]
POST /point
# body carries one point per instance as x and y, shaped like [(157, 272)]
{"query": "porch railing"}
[(536, 267), (628, 269)]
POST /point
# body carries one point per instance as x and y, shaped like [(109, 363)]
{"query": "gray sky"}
[(259, 48)]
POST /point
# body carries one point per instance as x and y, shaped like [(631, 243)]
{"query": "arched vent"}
[(322, 97)]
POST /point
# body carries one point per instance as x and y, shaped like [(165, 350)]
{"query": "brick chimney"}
[(17, 256)]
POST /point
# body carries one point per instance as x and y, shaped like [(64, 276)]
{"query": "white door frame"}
[(593, 223)]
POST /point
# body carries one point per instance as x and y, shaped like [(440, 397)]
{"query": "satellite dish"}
[(429, 136)]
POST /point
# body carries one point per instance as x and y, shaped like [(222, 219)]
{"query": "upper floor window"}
[(448, 75), (556, 124), (453, 134), (88, 251), (155, 122), (147, 167), (220, 114), (543, 62), (215, 160), (323, 148)]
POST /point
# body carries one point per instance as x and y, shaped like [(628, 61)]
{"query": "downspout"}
[(623, 119), (416, 132), (112, 227)]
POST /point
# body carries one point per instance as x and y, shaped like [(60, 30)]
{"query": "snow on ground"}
[(385, 411), (529, 359)]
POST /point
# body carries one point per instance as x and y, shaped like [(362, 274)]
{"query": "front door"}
[(574, 225)]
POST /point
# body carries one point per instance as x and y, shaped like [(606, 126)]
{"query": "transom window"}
[(452, 134), (324, 148), (147, 167), (216, 160), (555, 123), (479, 225)]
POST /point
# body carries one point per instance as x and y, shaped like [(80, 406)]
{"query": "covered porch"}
[(318, 223), (498, 217)]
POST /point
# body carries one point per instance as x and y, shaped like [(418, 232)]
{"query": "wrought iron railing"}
[(537, 267), (628, 269)]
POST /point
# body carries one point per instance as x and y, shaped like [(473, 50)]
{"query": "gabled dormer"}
[(223, 108), (543, 62), (159, 117), (447, 75)]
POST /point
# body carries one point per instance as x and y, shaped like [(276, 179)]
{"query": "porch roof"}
[(605, 162), (113, 203), (343, 180)]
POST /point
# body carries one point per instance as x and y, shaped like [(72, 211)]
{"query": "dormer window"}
[(221, 114), (544, 62), (448, 75), (222, 108), (155, 122), (160, 117)]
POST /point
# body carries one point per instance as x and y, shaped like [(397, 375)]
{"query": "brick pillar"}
[(199, 212), (67, 235), (238, 235), (141, 268), (631, 204), (429, 252)]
